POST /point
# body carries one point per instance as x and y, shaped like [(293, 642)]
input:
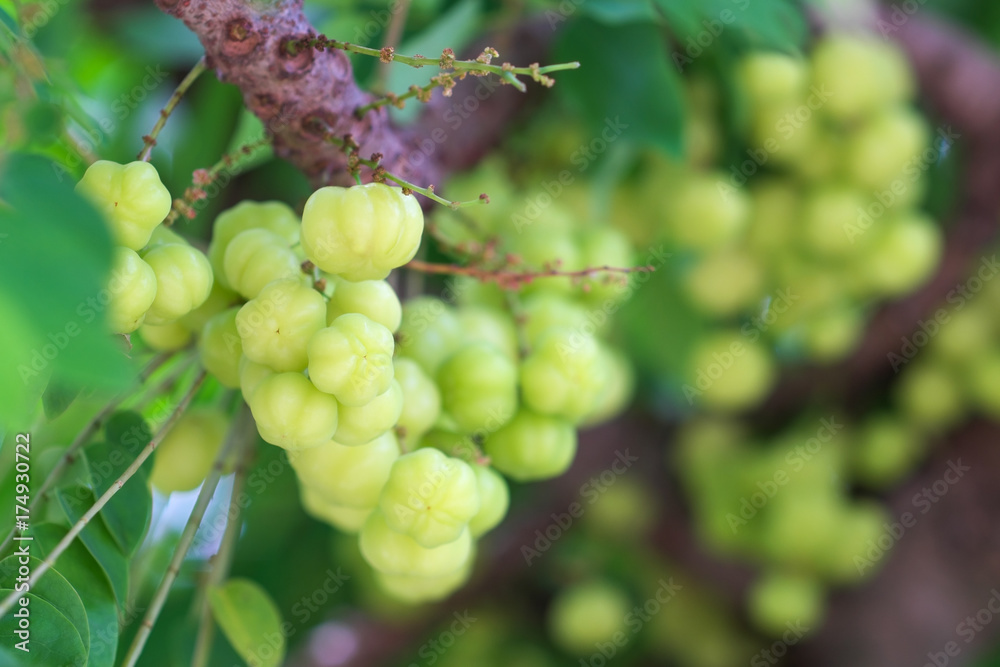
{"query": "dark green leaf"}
[(53, 322), (86, 576), (75, 501), (53, 639), (52, 587), (128, 430), (250, 620), (625, 88), (58, 397), (128, 512)]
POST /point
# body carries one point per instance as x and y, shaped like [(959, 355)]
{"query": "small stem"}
[(511, 279), (150, 139), (103, 500), (380, 174), (392, 37), (220, 563), (69, 456), (187, 537), (202, 177)]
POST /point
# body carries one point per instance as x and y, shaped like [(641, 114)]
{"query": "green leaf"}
[(453, 29), (250, 620), (625, 87), (51, 587), (128, 430), (614, 11), (75, 501), (57, 398), (128, 513), (53, 639), (54, 321), (88, 578)]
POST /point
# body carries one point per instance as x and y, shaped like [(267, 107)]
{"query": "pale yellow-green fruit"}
[(183, 281), (362, 232), (273, 216), (131, 197), (132, 287), (345, 519), (185, 455), (347, 476), (291, 413), (165, 337)]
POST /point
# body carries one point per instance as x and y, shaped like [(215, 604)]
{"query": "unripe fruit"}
[(273, 216), (373, 298), (830, 219), (492, 326), (276, 327), (605, 246), (729, 372), (725, 282), (133, 288), (186, 454), (361, 424), (768, 77), (429, 333), (903, 254), (251, 375), (562, 376), (704, 215), (219, 299), (183, 281), (345, 519), (547, 310), (617, 388), (478, 388), (859, 75), (220, 348), (421, 400), (351, 359), (778, 599), (878, 155), (362, 232), (130, 196), (417, 590), (256, 257), (586, 614), (886, 449), (165, 337), (395, 553), (532, 447), (494, 499), (291, 413), (929, 394), (347, 476), (430, 496)]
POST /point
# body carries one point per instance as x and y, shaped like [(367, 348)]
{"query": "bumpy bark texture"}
[(301, 97)]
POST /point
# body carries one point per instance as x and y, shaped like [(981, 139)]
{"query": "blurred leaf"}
[(625, 85), (54, 589), (89, 580), (75, 501), (54, 640), (775, 24), (129, 430), (619, 11), (128, 513), (160, 38), (453, 29), (57, 398), (249, 619), (53, 322)]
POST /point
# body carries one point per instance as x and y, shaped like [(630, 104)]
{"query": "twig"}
[(235, 436), (229, 163), (69, 456), (103, 500), (508, 279), (220, 563), (149, 140)]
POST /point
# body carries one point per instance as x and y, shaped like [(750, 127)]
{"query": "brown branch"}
[(296, 95)]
